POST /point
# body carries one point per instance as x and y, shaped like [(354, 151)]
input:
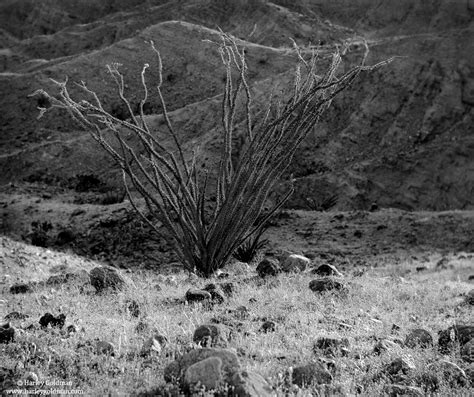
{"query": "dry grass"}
[(375, 301)]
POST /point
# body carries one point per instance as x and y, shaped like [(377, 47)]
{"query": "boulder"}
[(207, 373), (402, 390), (399, 369), (20, 288), (386, 345), (309, 374), (217, 296), (326, 270), (153, 344), (106, 279), (418, 337), (295, 263), (194, 295), (49, 319), (331, 346), (175, 371), (209, 335), (326, 284), (268, 267)]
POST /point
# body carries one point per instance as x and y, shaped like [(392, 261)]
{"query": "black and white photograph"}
[(237, 198)]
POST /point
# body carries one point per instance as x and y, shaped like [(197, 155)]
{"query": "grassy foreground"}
[(386, 301)]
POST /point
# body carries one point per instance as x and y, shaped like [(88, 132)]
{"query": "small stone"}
[(395, 328), (448, 338), (15, 316), (331, 346), (268, 326), (402, 390), (471, 278), (141, 327), (71, 329), (295, 264), (268, 267), (421, 268), (31, 377), (451, 372), (106, 279), (207, 373), (470, 297), (103, 347), (209, 335), (228, 289), (325, 284), (327, 270), (155, 343), (216, 295), (385, 345), (20, 288), (419, 338), (241, 313), (132, 307), (309, 374), (7, 333), (49, 319), (197, 295), (467, 351), (399, 369)]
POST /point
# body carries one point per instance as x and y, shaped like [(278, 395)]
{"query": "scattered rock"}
[(268, 326), (309, 374), (385, 345), (175, 371), (217, 296), (228, 289), (155, 343), (209, 335), (16, 316), (132, 307), (268, 267), (327, 270), (103, 347), (402, 390), (470, 297), (7, 333), (20, 288), (295, 264), (49, 319), (450, 337), (325, 284), (207, 373), (197, 295), (241, 313), (31, 377), (331, 346), (399, 369), (467, 351), (450, 372), (419, 338), (105, 278)]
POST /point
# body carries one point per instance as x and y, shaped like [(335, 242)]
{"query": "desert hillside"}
[(401, 137)]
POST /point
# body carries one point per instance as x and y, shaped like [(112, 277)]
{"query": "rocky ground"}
[(383, 202)]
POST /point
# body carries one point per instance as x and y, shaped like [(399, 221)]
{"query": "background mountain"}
[(400, 137)]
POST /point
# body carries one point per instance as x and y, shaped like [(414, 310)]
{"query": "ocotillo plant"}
[(170, 184)]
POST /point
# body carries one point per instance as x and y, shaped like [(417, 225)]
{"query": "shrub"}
[(249, 249), (176, 194)]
